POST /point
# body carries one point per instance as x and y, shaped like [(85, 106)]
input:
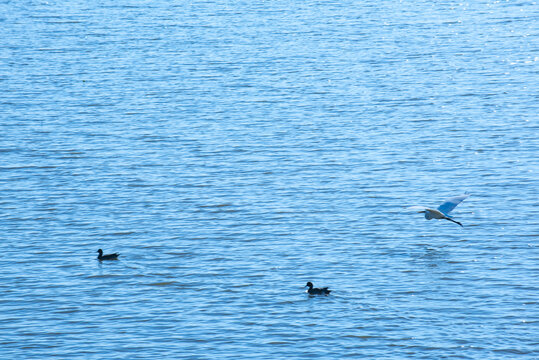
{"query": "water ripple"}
[(231, 152)]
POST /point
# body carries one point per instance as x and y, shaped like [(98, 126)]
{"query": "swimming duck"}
[(317, 291), (107, 257)]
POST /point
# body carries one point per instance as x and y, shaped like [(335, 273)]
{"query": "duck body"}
[(102, 257), (317, 291)]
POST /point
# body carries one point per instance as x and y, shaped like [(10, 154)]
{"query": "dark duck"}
[(101, 257), (317, 291)]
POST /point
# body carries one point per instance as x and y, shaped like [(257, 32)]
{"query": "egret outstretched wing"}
[(450, 204)]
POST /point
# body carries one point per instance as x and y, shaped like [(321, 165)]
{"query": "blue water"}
[(231, 151)]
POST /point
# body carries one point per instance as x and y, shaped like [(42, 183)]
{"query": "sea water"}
[(231, 151)]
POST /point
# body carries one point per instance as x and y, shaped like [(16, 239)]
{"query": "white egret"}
[(443, 210)]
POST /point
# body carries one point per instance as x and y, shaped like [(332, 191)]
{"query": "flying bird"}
[(442, 212)]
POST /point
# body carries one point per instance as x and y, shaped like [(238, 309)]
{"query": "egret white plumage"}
[(442, 212)]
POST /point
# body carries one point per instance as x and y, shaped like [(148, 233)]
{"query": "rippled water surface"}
[(231, 151)]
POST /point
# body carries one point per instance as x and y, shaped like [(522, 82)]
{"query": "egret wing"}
[(450, 204)]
